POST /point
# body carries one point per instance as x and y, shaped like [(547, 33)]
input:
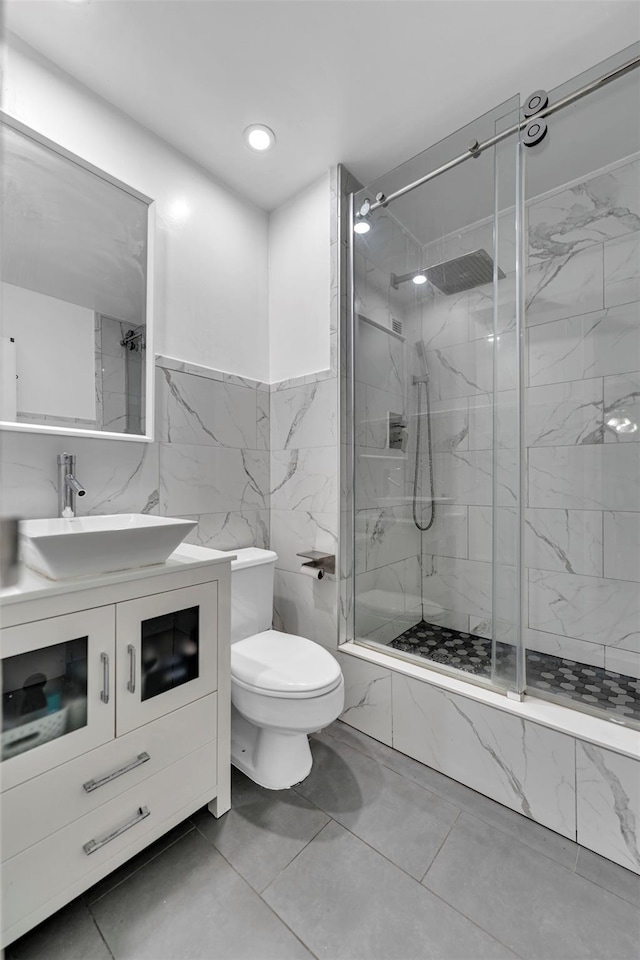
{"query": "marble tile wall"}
[(209, 462), (582, 533)]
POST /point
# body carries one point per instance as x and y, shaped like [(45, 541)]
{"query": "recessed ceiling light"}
[(259, 137), (419, 278), (361, 226)]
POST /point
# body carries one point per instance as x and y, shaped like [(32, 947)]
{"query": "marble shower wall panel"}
[(622, 270), (601, 344), (588, 608), (622, 404), (608, 804), (589, 477), (194, 479), (522, 765), (605, 206)]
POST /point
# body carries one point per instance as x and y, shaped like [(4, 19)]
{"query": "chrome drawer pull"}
[(131, 683), (94, 784), (104, 693), (93, 845)]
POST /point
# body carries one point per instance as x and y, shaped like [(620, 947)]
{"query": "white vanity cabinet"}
[(115, 722)]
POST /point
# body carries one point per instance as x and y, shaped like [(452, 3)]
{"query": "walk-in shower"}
[(500, 541)]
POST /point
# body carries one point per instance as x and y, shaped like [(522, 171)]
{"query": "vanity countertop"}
[(32, 585)]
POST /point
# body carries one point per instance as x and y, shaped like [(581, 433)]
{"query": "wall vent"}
[(396, 326)]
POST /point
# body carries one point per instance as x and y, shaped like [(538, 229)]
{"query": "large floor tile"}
[(263, 831), (535, 906), (70, 934), (539, 838), (611, 876), (348, 903), (189, 903), (128, 868), (397, 817)]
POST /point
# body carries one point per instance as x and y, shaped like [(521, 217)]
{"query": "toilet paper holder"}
[(318, 560)]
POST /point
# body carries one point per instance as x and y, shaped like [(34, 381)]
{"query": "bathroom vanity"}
[(115, 721)]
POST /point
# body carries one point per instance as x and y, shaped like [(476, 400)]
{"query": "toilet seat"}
[(283, 665)]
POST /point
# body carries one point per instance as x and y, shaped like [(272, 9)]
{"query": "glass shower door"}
[(435, 357), (582, 400)]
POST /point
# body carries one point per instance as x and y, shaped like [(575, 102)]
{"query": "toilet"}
[(283, 687)]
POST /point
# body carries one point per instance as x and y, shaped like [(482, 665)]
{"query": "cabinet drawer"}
[(39, 807), (36, 875)]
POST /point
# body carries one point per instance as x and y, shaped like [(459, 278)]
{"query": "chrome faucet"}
[(68, 486)]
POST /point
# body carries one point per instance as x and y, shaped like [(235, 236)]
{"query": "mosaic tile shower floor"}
[(593, 686)]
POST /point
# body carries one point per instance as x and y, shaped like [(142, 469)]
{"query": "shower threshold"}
[(592, 686)]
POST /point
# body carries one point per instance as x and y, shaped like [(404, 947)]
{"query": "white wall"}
[(55, 353), (211, 246), (299, 284)]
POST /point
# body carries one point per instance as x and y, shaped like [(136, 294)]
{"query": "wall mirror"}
[(76, 344)]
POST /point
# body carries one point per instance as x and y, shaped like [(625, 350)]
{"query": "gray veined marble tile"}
[(569, 541), (626, 662), (263, 425), (587, 608), (304, 416), (201, 479), (500, 755), (380, 477), (622, 545), (226, 531), (602, 207), (464, 370), (445, 321), (296, 530), (126, 483), (608, 788), (449, 535), (367, 698), (113, 374), (197, 410), (600, 344), (622, 270), (588, 477), (306, 607), (561, 414), (305, 479), (622, 408), (449, 422), (389, 535), (380, 357), (567, 647), (381, 596), (372, 410), (458, 584)]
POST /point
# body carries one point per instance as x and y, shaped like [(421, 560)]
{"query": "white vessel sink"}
[(83, 546)]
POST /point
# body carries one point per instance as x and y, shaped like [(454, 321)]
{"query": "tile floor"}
[(373, 856)]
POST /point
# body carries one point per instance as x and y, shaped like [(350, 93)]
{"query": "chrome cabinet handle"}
[(94, 784), (104, 693), (131, 683), (92, 845)]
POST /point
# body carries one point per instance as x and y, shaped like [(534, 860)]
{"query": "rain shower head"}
[(454, 276)]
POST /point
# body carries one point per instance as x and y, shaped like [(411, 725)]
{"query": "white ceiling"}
[(368, 83)]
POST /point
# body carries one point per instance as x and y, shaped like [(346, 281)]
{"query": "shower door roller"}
[(534, 133), (535, 103)]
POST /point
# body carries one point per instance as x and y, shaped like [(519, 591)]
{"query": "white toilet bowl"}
[(283, 687)]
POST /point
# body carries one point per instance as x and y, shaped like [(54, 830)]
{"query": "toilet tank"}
[(251, 592)]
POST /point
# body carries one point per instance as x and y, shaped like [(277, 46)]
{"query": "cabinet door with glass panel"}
[(57, 691), (166, 653)]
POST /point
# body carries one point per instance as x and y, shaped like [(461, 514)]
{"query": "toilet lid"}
[(284, 665)]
